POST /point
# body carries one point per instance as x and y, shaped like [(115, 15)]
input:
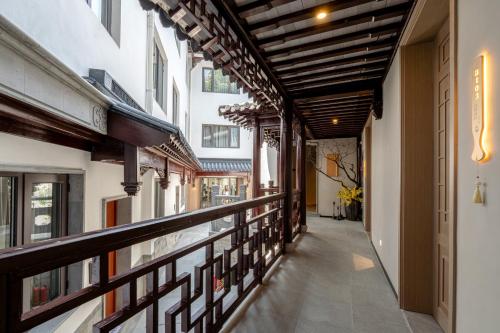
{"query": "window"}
[(8, 211), (159, 203), (177, 43), (109, 12), (175, 105), (220, 136), (216, 81), (332, 169), (159, 75)]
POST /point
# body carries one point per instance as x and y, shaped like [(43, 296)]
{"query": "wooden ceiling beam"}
[(305, 14), (348, 88), (345, 22), (309, 112), (364, 47), (312, 105), (377, 32), (335, 72), (335, 97), (360, 59), (346, 116), (335, 80), (259, 6)]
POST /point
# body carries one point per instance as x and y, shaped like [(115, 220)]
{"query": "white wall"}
[(478, 227), (72, 32), (205, 110), (327, 188), (386, 175)]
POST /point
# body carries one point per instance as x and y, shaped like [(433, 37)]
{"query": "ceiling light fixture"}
[(321, 15), (335, 121)]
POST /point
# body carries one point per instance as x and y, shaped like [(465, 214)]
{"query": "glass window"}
[(220, 136), (216, 81), (45, 218), (175, 105), (7, 211), (177, 43), (159, 203), (159, 75)]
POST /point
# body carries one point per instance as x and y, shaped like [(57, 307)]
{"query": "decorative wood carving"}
[(165, 178)]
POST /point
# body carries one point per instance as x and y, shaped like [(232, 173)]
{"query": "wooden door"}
[(110, 298), (441, 177)]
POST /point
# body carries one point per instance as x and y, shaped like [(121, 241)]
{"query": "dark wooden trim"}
[(22, 119), (287, 172), (257, 143), (131, 183)]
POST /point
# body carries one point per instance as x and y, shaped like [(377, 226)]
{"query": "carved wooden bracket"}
[(131, 183), (183, 176), (165, 177)]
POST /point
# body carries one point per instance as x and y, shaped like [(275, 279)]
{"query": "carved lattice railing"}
[(218, 284)]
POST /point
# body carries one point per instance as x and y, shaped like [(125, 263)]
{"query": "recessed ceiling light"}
[(335, 121), (321, 15)]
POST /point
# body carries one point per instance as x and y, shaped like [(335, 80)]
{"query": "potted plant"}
[(352, 198)]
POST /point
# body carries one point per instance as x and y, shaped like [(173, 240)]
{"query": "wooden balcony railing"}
[(255, 244)]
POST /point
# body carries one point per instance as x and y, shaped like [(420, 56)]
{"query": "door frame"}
[(418, 16), (313, 143)]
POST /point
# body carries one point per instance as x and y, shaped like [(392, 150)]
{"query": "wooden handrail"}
[(62, 251), (256, 242)]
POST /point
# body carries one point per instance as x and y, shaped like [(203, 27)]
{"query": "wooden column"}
[(131, 183), (256, 159), (301, 165), (286, 172)]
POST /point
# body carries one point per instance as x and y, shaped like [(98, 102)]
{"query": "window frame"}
[(159, 53), (213, 144), (175, 104), (213, 82), (16, 236)]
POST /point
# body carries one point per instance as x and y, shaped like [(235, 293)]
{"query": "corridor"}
[(332, 282)]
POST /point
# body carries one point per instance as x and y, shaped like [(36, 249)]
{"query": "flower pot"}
[(352, 211)]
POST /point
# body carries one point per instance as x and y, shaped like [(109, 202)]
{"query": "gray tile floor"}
[(332, 282)]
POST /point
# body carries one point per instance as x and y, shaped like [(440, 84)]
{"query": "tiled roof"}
[(225, 165)]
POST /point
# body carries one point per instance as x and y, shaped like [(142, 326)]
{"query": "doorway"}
[(117, 211), (428, 140), (311, 179)]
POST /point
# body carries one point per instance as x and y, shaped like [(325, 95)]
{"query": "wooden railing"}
[(296, 212), (255, 244), (268, 190)]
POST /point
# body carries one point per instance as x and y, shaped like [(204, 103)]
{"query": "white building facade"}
[(73, 60)]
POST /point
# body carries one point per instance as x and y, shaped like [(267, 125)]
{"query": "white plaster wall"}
[(72, 32), (327, 188), (177, 71), (478, 227), (386, 175), (205, 110)]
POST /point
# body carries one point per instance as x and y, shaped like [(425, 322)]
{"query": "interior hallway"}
[(332, 282)]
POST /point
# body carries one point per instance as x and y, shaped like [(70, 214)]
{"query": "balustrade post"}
[(286, 172)]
